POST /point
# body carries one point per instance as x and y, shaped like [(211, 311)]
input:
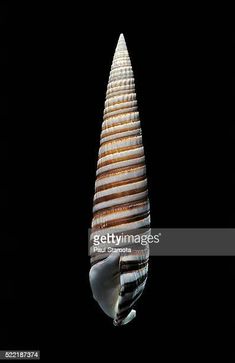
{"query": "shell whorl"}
[(121, 195)]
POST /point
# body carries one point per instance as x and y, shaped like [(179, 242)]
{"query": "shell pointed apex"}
[(121, 36), (121, 44)]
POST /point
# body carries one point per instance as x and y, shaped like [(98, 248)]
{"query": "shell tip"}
[(121, 44)]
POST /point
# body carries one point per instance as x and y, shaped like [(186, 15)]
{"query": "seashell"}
[(121, 202)]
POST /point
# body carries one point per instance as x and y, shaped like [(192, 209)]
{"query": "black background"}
[(57, 63)]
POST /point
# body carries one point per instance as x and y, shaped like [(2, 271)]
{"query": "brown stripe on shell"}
[(117, 160), (120, 183), (120, 124), (119, 112), (119, 170), (95, 213), (120, 208), (124, 148), (120, 221), (124, 138), (108, 197), (119, 132)]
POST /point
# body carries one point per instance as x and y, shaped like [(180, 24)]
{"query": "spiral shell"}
[(121, 197)]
